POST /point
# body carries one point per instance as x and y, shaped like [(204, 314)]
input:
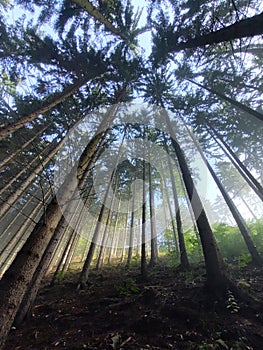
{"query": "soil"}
[(121, 310)]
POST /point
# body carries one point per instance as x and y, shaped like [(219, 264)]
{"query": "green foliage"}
[(230, 241), (243, 260), (232, 245), (193, 246), (256, 232), (128, 288), (173, 259), (59, 276), (136, 260)]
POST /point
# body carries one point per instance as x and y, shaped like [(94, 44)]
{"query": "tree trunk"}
[(131, 241), (235, 103), (248, 27), (19, 234), (190, 209), (20, 190), (143, 243), (243, 171), (170, 210), (27, 166), (85, 251), (216, 278), (248, 207), (234, 211), (24, 145), (95, 12), (124, 237), (105, 236), (154, 243), (11, 128), (15, 281), (85, 270), (183, 253), (33, 287), (111, 248)]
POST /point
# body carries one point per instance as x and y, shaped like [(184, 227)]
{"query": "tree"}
[(234, 211), (183, 253), (241, 29), (114, 69)]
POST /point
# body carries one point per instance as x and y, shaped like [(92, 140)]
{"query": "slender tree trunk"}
[(124, 237), (105, 236), (85, 270), (58, 98), (217, 279), (113, 240), (15, 281), (20, 190), (70, 253), (19, 234), (243, 171), (248, 27), (234, 211), (170, 210), (235, 103), (183, 253), (27, 166), (190, 209), (154, 244), (95, 12), (143, 243), (33, 287), (27, 143), (248, 207), (131, 241), (85, 251), (8, 260)]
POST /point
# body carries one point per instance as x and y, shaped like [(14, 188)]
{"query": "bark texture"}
[(248, 27)]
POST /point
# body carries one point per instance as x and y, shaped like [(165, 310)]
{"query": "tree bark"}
[(171, 216), (85, 270), (243, 171), (234, 211), (216, 277), (105, 236), (248, 27), (19, 234), (183, 253), (124, 237), (14, 284), (154, 244), (11, 128), (131, 241), (20, 190), (143, 243), (33, 287), (15, 281), (27, 143), (235, 103), (95, 12)]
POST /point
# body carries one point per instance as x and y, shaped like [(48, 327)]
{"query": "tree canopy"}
[(144, 107)]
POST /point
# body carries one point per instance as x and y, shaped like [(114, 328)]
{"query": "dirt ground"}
[(120, 310)]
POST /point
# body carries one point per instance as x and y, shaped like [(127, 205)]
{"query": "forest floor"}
[(120, 310)]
